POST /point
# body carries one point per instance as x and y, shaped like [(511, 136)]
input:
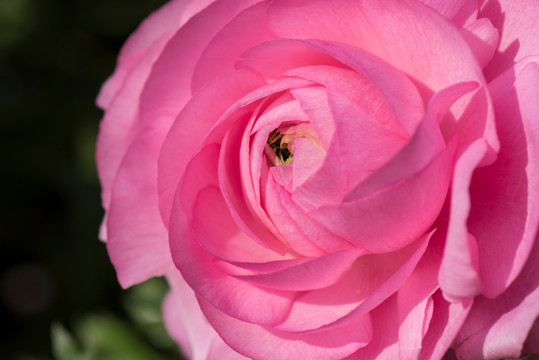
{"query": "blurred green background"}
[(54, 273)]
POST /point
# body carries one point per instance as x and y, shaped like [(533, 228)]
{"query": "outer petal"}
[(188, 327), (518, 26), (497, 328), (447, 319), (158, 26), (260, 342), (505, 195), (137, 240), (415, 31)]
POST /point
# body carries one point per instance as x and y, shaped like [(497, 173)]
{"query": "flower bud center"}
[(280, 146)]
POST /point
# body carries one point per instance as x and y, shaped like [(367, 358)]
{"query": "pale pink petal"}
[(188, 326), (459, 270), (447, 319), (399, 94), (415, 304), (505, 200), (184, 320), (119, 126), (277, 212), (518, 26), (449, 9), (259, 342), (158, 27), (483, 39), (137, 239), (497, 328)]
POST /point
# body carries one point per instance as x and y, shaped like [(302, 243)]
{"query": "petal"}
[(168, 87), (459, 269), (447, 319), (196, 120), (119, 126), (415, 31), (483, 39), (259, 342), (504, 238), (448, 9), (137, 239), (497, 328), (229, 43), (235, 297), (370, 212), (518, 26), (158, 27), (418, 28), (370, 280), (313, 274), (185, 321)]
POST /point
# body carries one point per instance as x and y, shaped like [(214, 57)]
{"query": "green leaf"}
[(64, 346)]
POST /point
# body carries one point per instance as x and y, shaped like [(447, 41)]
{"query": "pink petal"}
[(448, 9), (119, 126), (369, 88), (447, 319), (313, 274), (168, 87), (418, 28), (274, 57), (253, 340), (364, 218), (504, 238), (178, 148), (497, 328), (185, 321), (229, 43), (137, 239), (483, 39), (518, 26), (370, 280), (158, 27), (415, 303), (459, 270), (359, 146), (235, 297)]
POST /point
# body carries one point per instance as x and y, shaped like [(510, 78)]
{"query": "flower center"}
[(280, 145)]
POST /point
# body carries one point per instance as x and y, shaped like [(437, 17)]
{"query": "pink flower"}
[(330, 179)]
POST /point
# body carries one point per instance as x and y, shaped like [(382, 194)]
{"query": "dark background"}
[(54, 56)]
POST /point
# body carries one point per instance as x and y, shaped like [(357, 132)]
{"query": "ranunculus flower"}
[(329, 179)]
